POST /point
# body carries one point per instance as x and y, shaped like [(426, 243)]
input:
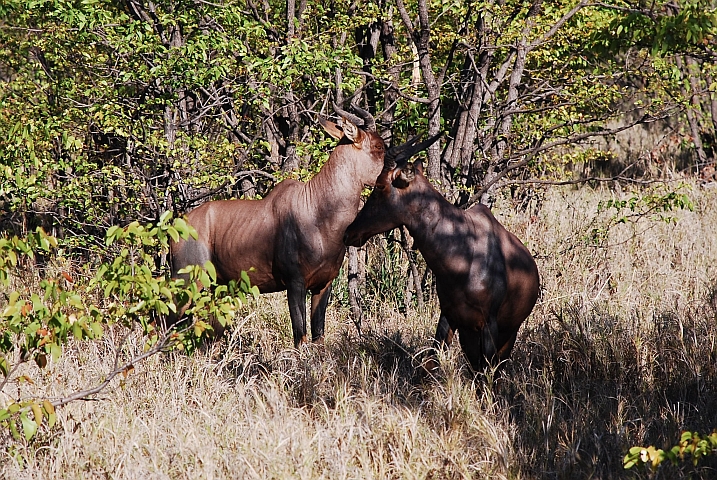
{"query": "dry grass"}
[(619, 351)]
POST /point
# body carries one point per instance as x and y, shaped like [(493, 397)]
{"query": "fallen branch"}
[(161, 345)]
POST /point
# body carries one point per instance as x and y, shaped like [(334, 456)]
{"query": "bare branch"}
[(576, 181), (647, 12), (404, 16), (390, 85), (558, 25), (161, 345), (527, 155), (237, 175)]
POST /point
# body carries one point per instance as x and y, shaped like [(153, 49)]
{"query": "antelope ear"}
[(418, 166), (331, 128), (351, 131), (403, 176), (384, 180)]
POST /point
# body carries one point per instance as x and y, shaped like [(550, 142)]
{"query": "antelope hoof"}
[(429, 368), (301, 341)]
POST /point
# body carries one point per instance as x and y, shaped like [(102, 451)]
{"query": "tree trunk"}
[(291, 160), (353, 285), (692, 111), (498, 157), (421, 38), (388, 44), (460, 150), (414, 277), (713, 113)]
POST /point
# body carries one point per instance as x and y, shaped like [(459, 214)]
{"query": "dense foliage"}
[(118, 115), (115, 111)]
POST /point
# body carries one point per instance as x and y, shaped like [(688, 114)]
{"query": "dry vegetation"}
[(619, 351)]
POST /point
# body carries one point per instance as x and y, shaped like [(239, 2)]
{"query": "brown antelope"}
[(291, 239), (487, 281)]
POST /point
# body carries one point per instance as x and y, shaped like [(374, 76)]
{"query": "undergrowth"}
[(620, 351)]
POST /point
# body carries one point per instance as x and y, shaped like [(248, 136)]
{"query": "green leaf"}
[(204, 279), (29, 427), (13, 431), (166, 215), (55, 351), (137, 307), (109, 287), (162, 307), (12, 257), (77, 330), (173, 233), (181, 227), (37, 412), (110, 237), (97, 329), (13, 298), (51, 420), (209, 267)]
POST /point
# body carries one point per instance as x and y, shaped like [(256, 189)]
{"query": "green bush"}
[(692, 447), (37, 322)]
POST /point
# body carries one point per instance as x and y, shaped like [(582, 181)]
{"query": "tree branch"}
[(558, 25), (527, 155), (163, 343)]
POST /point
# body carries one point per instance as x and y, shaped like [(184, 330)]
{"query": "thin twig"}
[(536, 181), (83, 394)]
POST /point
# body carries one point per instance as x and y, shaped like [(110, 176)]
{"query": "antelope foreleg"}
[(296, 294), (444, 333), (442, 340), (471, 340), (504, 352), (490, 337)]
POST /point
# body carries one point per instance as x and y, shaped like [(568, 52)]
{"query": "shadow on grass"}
[(582, 387), (586, 386)]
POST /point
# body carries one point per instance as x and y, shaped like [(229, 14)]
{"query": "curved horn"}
[(349, 116), (390, 159), (363, 119), (369, 121)]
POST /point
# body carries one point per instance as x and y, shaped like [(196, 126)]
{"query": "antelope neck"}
[(338, 183), (431, 209)]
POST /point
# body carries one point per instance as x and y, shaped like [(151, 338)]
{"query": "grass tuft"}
[(619, 351)]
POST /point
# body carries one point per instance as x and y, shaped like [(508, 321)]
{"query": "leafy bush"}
[(37, 322), (692, 446)]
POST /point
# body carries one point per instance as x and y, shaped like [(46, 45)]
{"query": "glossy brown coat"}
[(487, 281), (291, 239)]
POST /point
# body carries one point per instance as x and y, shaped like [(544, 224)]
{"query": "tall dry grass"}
[(619, 351)]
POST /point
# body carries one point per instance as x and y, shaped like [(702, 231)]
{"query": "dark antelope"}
[(487, 281), (291, 239)]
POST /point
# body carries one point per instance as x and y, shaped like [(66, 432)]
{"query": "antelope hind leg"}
[(319, 302), (442, 340)]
